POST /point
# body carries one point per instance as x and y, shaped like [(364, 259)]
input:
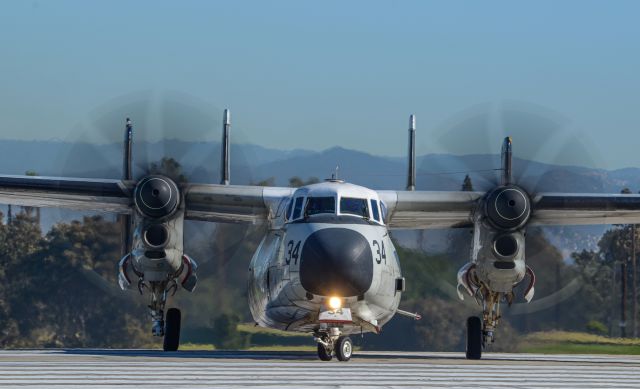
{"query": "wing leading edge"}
[(426, 209), (74, 193), (234, 203), (581, 208), (215, 203)]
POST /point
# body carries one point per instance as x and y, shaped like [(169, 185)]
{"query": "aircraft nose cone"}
[(336, 261)]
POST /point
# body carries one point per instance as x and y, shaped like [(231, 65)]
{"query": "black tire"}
[(323, 354), (172, 330), (344, 348), (474, 338)]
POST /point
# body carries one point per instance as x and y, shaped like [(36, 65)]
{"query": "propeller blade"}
[(468, 136), (545, 142)]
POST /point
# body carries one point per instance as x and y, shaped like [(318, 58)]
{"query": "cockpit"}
[(337, 199)]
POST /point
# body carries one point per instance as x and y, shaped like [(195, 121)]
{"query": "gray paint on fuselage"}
[(278, 300)]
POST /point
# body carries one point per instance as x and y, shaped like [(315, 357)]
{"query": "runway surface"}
[(190, 369)]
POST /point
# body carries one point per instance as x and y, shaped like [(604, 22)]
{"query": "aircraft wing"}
[(73, 193), (234, 203), (429, 209), (215, 203), (581, 208), (426, 209)]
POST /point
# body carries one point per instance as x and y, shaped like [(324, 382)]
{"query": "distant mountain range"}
[(253, 163)]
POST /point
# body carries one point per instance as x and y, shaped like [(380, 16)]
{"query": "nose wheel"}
[(344, 348), (340, 346)]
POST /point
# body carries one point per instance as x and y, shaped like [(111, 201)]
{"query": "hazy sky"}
[(302, 74)]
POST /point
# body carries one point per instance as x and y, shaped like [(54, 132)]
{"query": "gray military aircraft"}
[(327, 265)]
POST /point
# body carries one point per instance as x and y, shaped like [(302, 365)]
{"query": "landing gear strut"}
[(323, 353), (160, 289), (169, 329), (480, 331), (332, 343)]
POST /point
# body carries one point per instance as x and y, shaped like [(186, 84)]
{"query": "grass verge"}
[(562, 342)]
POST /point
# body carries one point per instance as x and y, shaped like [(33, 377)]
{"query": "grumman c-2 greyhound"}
[(327, 265)]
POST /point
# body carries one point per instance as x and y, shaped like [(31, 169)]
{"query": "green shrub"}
[(596, 327)]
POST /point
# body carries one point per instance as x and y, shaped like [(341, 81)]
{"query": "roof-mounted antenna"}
[(226, 151), (334, 175), (411, 176)]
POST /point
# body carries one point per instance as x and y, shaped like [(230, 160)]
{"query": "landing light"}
[(335, 303)]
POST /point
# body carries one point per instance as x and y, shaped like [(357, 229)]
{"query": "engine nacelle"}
[(498, 257), (157, 254)]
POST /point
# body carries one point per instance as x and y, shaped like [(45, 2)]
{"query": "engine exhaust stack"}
[(127, 174), (226, 150), (411, 178), (128, 144), (506, 162)]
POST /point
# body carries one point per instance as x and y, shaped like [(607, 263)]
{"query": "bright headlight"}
[(335, 303)]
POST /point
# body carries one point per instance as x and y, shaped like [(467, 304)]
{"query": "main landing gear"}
[(160, 290), (331, 343), (481, 331), (474, 338), (171, 340), (169, 326)]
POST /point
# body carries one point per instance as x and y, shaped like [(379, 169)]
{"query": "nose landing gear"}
[(324, 352), (332, 343)]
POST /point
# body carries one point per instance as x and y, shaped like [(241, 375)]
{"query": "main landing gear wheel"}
[(344, 348), (172, 330), (323, 354), (474, 337)]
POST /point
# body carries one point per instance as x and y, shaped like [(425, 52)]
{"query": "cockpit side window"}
[(297, 209), (354, 206), (289, 209), (374, 210), (383, 210), (317, 205)]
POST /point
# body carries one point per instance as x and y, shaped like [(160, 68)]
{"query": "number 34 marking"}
[(380, 254), (293, 252)]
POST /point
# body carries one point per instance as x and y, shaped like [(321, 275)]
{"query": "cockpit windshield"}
[(317, 205), (354, 206)]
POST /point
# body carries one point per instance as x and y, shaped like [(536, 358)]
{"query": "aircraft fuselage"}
[(300, 265)]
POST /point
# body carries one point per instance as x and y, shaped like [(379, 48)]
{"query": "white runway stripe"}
[(151, 369)]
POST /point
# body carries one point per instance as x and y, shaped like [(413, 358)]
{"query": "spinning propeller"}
[(542, 135), (156, 161)]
